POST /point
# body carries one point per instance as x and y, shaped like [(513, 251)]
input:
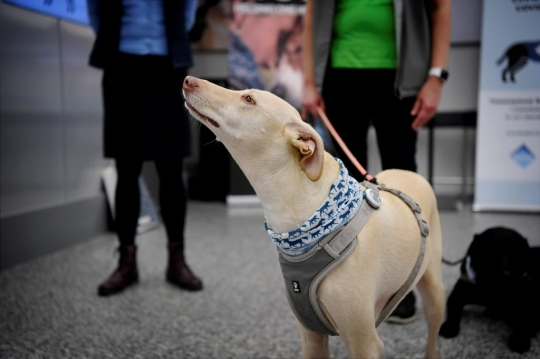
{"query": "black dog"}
[(501, 272)]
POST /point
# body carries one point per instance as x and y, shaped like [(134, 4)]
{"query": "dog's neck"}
[(288, 196)]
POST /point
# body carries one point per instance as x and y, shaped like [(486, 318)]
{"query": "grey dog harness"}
[(303, 273)]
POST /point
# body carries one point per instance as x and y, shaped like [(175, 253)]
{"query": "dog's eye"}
[(249, 99)]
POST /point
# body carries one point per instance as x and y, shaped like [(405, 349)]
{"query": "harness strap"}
[(424, 231), (336, 246), (305, 270)]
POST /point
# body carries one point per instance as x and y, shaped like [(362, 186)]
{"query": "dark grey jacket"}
[(413, 34)]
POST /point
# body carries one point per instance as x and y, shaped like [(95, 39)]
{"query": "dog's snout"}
[(190, 82)]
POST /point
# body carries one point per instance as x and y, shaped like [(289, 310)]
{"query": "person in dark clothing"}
[(143, 48)]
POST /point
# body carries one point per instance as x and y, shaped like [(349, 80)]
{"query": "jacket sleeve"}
[(190, 10), (93, 13)]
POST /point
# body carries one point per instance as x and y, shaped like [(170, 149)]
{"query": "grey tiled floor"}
[(49, 307)]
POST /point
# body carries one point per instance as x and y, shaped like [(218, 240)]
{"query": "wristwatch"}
[(439, 72)]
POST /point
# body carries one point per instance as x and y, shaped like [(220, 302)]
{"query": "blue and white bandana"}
[(339, 208)]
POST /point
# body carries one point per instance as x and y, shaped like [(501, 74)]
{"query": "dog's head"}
[(497, 257), (258, 128)]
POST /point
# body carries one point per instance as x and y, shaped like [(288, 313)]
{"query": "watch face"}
[(444, 75)]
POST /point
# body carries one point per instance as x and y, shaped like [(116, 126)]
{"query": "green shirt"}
[(364, 35)]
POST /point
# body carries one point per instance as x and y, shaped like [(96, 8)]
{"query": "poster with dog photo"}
[(266, 47), (507, 174)]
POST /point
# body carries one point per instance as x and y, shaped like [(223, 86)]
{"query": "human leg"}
[(173, 203), (392, 122), (397, 146), (127, 204), (344, 94)]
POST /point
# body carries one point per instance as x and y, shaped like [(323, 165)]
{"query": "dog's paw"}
[(449, 330), (519, 343)]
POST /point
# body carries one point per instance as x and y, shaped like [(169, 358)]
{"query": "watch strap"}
[(438, 72)]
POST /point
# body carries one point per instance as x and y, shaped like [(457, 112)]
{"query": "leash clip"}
[(373, 198)]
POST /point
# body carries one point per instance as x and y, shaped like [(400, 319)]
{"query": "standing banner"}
[(265, 52), (508, 135)]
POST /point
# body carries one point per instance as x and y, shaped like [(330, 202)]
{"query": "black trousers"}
[(358, 98), (172, 198)]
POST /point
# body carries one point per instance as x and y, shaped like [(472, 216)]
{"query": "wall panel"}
[(50, 136), (31, 132), (82, 115)]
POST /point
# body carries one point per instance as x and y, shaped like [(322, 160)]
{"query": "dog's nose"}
[(190, 82)]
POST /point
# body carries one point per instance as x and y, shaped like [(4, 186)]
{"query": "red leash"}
[(344, 147)]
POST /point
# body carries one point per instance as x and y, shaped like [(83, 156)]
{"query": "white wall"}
[(460, 93)]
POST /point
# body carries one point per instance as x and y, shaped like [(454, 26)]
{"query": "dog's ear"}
[(309, 147)]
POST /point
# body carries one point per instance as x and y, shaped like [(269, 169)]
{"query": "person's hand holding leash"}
[(311, 100)]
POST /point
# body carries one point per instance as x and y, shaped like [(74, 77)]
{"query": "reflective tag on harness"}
[(373, 198)]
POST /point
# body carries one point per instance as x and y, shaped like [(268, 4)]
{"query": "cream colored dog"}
[(285, 162)]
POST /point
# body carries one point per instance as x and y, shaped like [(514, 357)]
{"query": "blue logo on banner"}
[(523, 156)]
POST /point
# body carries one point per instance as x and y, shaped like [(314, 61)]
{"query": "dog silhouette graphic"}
[(518, 55)]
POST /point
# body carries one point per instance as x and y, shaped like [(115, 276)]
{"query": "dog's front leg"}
[(525, 315), (314, 345), (461, 295)]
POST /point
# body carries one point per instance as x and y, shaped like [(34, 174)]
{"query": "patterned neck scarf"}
[(339, 208)]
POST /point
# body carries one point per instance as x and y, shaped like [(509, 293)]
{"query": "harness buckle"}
[(424, 228)]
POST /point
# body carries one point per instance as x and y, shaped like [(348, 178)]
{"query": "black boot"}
[(405, 312), (125, 275), (178, 273)]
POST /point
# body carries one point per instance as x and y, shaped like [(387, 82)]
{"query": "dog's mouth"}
[(201, 116)]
